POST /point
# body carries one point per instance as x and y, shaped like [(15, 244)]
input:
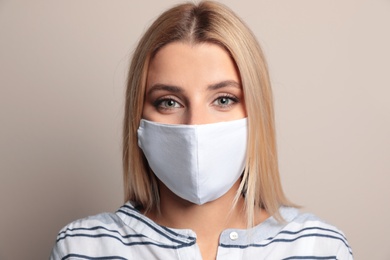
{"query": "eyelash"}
[(233, 100), (230, 97), (158, 102)]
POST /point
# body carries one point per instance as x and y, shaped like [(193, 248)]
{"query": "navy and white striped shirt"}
[(128, 234)]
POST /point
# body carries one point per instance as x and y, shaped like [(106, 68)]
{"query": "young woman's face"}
[(193, 84)]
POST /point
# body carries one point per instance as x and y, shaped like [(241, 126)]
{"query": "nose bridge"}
[(197, 115)]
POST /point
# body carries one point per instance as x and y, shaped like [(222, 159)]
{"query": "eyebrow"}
[(176, 89), (222, 84), (169, 88)]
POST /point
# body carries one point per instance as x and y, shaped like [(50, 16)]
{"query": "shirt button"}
[(233, 235)]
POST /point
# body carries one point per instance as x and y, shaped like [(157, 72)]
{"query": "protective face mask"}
[(199, 163)]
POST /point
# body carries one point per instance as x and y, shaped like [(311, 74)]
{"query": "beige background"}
[(63, 67)]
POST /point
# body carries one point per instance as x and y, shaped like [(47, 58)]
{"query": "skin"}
[(193, 84), (196, 84)]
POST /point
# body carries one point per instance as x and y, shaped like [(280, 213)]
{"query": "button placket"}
[(233, 235)]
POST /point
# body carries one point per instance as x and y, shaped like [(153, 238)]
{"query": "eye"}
[(166, 103), (225, 101)]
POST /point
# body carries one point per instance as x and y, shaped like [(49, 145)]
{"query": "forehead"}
[(181, 61)]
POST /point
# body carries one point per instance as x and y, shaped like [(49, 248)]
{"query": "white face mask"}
[(199, 163)]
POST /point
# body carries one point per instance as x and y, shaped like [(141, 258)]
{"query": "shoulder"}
[(96, 222), (306, 230), (125, 234), (102, 223), (85, 232), (298, 236), (304, 223)]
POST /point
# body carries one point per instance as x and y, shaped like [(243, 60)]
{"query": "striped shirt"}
[(128, 234)]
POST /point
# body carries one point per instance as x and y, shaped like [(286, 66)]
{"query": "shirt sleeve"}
[(344, 252), (56, 253)]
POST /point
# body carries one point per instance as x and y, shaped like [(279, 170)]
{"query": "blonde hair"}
[(213, 23)]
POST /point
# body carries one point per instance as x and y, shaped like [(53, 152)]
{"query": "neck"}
[(220, 213), (207, 220)]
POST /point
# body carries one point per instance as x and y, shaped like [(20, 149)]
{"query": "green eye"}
[(169, 103), (225, 101), (166, 103)]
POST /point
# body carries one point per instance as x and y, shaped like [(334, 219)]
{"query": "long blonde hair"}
[(213, 23)]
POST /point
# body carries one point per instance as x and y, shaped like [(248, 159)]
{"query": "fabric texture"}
[(199, 163), (127, 234)]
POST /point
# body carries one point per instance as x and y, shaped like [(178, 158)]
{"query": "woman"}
[(200, 162)]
